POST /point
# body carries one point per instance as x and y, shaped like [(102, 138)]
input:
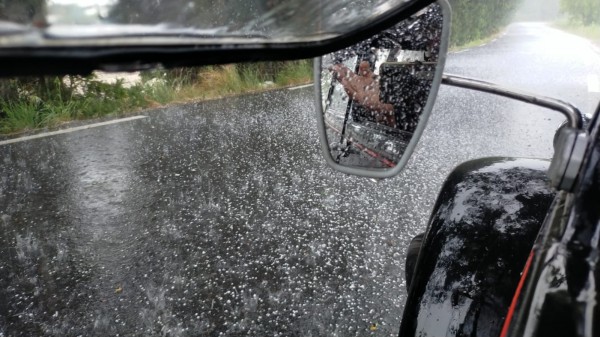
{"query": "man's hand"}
[(363, 88)]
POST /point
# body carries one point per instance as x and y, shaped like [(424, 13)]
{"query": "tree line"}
[(473, 20), (586, 12)]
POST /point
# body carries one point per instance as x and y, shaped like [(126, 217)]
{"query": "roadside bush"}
[(586, 12), (175, 77), (20, 115), (28, 103), (261, 71), (295, 71), (473, 20)]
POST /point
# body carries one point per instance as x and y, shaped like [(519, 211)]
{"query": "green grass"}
[(33, 103), (230, 80), (20, 115), (296, 72), (590, 32), (159, 92), (29, 111), (234, 81), (473, 43)]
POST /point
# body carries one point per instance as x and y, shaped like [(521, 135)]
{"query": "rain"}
[(221, 218), (216, 220)]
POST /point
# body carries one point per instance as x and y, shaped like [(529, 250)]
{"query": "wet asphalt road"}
[(221, 218)]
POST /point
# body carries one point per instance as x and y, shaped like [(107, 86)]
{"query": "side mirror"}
[(375, 97)]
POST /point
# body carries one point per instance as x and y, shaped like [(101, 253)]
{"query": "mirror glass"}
[(375, 94)]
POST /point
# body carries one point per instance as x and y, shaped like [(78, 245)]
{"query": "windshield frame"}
[(133, 53)]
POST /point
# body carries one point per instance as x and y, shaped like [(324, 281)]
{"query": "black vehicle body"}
[(468, 274), (506, 255)]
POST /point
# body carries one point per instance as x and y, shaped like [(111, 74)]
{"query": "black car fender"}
[(479, 237)]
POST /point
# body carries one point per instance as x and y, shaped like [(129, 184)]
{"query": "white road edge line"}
[(78, 128), (460, 51), (301, 87)]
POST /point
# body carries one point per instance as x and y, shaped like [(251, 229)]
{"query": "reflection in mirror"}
[(374, 93)]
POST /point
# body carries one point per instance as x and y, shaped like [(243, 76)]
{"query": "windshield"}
[(272, 20)]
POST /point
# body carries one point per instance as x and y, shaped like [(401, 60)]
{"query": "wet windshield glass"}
[(275, 20)]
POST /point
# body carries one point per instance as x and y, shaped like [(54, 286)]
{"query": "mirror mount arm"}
[(572, 113)]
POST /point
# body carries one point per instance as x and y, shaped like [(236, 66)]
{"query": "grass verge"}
[(29, 104), (230, 80), (474, 43), (590, 32)]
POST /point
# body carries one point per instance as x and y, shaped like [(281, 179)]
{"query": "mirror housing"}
[(373, 99)]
